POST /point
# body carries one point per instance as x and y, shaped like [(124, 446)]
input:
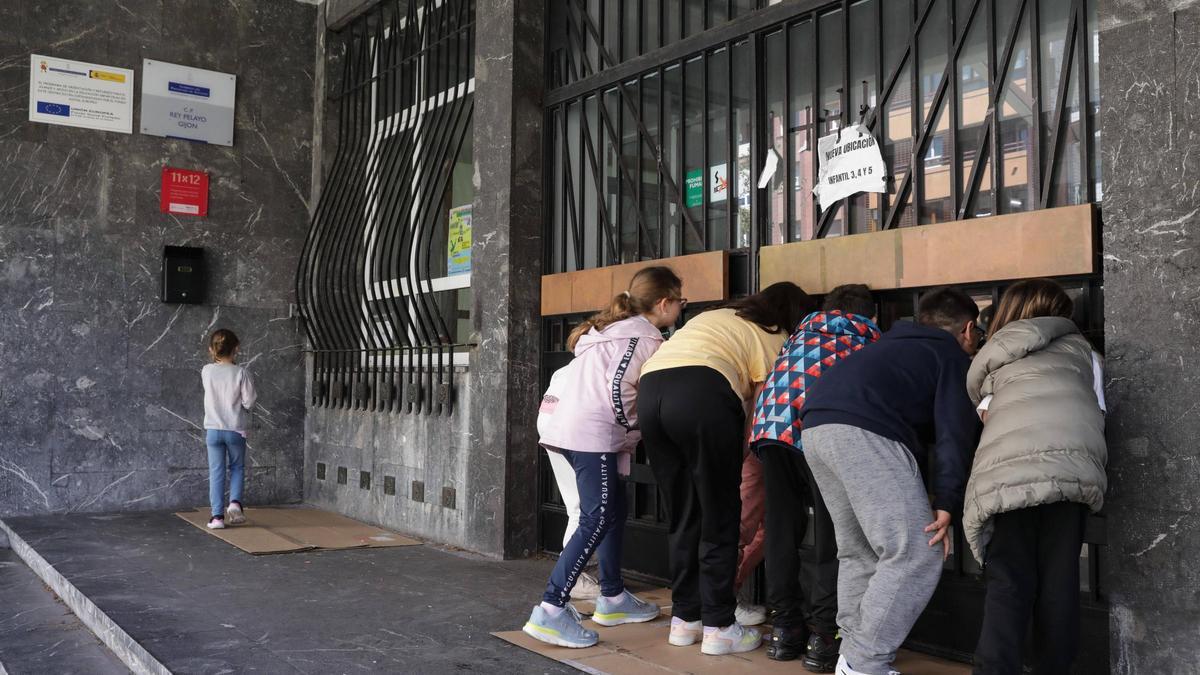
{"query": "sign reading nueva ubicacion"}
[(850, 162), (78, 94), (188, 103)]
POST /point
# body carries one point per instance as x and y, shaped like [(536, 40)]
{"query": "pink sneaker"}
[(217, 523)]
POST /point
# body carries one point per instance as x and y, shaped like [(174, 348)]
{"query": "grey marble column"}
[(501, 499), (1150, 133)]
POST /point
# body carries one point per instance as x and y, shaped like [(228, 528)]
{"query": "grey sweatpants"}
[(886, 569)]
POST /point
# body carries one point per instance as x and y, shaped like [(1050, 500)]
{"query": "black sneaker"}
[(787, 644), (822, 653)]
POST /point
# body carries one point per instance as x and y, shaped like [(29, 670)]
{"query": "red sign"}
[(184, 192)]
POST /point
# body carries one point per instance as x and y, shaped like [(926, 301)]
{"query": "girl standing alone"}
[(228, 397), (589, 417)]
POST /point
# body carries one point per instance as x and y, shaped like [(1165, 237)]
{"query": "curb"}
[(106, 630)]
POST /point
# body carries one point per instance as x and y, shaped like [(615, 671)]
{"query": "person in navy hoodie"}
[(803, 593), (866, 424)]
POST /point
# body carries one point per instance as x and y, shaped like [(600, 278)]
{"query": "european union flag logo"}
[(60, 109)]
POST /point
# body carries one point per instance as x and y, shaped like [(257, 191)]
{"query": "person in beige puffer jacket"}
[(1039, 468)]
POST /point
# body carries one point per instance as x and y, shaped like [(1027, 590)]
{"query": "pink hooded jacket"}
[(591, 403)]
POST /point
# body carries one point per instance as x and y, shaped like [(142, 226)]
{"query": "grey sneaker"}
[(627, 609), (586, 588), (564, 630)]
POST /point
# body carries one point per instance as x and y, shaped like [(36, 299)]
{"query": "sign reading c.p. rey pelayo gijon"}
[(192, 104), (850, 162)]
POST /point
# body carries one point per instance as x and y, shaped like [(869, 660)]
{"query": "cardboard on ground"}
[(642, 649), (291, 529)]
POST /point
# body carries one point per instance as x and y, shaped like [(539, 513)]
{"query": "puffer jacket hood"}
[(1044, 438)]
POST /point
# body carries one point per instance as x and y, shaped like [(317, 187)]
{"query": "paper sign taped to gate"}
[(850, 163)]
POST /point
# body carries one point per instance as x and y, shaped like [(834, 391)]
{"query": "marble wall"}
[(1150, 125), (100, 403), (486, 451)]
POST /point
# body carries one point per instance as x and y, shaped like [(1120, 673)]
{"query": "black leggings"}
[(692, 425), (1032, 570)]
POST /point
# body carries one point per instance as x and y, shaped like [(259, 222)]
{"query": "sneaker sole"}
[(538, 633), (726, 650), (681, 641), (611, 620)]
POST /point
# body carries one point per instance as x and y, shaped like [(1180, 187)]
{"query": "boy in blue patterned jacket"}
[(806, 609)]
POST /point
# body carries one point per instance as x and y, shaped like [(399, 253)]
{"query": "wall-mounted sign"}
[(188, 103), (458, 241), (78, 94), (718, 183), (694, 188), (184, 192), (850, 162)]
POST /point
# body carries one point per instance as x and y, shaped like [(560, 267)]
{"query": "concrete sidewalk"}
[(199, 605), (38, 634)]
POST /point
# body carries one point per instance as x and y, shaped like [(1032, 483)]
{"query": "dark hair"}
[(1029, 299), (778, 308), (646, 288), (222, 343), (850, 299), (946, 308)]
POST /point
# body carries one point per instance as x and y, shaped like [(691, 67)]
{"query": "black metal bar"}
[(758, 133), (732, 152), (1035, 161), (848, 213), (995, 79), (1084, 42), (789, 152), (952, 108), (916, 167), (1063, 82), (662, 135), (706, 189)]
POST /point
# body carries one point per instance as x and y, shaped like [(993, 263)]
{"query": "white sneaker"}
[(216, 523), (685, 633), (844, 668), (750, 615), (586, 588), (234, 514), (732, 639)]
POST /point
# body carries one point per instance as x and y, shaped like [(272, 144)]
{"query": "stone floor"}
[(38, 634), (199, 605)]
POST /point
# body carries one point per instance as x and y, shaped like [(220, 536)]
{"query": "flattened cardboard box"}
[(287, 530)]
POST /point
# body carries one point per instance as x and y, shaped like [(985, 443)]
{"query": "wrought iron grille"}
[(631, 28), (384, 314), (982, 107)]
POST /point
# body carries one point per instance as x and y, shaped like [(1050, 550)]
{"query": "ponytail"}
[(649, 286)]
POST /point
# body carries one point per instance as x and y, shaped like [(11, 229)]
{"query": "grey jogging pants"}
[(886, 569)]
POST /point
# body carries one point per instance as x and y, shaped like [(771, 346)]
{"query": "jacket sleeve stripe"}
[(618, 402)]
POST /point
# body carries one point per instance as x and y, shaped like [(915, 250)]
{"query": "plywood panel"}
[(705, 279), (1046, 243)]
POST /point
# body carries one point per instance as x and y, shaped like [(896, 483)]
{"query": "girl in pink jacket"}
[(588, 418)]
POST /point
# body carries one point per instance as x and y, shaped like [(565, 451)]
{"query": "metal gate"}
[(982, 107)]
